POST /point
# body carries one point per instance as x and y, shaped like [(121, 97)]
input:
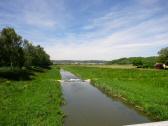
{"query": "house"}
[(161, 66)]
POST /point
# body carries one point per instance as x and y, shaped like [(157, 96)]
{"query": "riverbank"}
[(146, 90), (33, 99)]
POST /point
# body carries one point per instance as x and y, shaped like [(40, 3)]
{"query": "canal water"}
[(87, 106)]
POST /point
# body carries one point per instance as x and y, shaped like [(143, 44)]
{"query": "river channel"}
[(88, 106)]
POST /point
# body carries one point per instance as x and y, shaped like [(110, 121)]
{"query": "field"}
[(30, 97), (127, 66), (146, 90)]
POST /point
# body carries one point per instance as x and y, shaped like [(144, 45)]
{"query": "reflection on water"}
[(87, 106)]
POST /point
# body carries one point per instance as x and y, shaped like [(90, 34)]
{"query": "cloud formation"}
[(97, 30)]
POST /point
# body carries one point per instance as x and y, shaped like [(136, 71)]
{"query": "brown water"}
[(87, 106)]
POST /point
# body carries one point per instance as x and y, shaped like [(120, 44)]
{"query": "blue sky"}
[(90, 29)]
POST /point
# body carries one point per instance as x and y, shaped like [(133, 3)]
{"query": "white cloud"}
[(40, 21), (138, 29), (138, 39), (42, 13), (108, 48)]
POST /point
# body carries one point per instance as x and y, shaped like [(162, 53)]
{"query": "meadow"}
[(125, 66), (145, 90), (30, 97)]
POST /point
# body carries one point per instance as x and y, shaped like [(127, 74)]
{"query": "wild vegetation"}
[(29, 92), (33, 101), (16, 52), (143, 62), (145, 89), (163, 56)]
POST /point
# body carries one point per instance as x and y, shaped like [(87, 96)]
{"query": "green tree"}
[(35, 55), (2, 51), (41, 58), (137, 62), (11, 50), (15, 52), (149, 62), (163, 56), (28, 49)]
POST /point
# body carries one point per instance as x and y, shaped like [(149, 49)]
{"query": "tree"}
[(149, 62), (11, 50), (2, 51), (137, 62), (35, 55), (163, 56), (41, 58), (15, 52), (28, 50)]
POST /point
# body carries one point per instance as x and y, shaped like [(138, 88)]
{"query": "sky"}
[(90, 29)]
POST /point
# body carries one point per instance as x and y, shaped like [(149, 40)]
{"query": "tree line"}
[(18, 52), (144, 62)]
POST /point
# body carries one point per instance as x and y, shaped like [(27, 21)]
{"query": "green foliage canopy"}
[(16, 52), (11, 51), (163, 56), (145, 62)]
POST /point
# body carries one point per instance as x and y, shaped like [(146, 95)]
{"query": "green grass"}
[(115, 66), (31, 102), (146, 90)]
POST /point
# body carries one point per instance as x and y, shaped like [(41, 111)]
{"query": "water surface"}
[(87, 106)]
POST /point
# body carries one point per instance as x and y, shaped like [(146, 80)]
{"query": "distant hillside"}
[(79, 62), (143, 61)]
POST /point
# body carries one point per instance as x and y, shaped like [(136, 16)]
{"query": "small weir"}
[(87, 106)]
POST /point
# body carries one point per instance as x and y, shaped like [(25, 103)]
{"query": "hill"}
[(79, 61), (145, 62)]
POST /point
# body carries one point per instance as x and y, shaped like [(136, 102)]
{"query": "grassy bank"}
[(147, 90), (31, 98)]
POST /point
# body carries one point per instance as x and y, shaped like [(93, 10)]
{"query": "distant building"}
[(160, 66)]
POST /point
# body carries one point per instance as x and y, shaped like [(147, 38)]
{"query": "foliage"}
[(163, 56), (145, 62), (137, 62), (120, 61), (32, 103), (11, 52), (149, 62), (147, 89), (35, 55), (16, 52)]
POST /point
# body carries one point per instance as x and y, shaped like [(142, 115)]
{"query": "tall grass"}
[(146, 90), (33, 102)]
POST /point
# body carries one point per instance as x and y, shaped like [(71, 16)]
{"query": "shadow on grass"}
[(20, 74), (16, 74), (35, 69)]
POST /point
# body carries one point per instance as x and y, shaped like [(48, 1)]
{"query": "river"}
[(88, 106)]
